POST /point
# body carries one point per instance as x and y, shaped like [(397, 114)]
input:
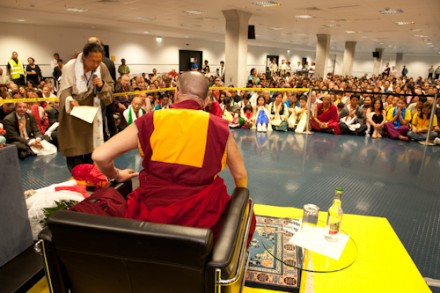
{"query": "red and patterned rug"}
[(265, 270)]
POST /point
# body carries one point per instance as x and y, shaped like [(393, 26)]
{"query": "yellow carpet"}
[(382, 265)]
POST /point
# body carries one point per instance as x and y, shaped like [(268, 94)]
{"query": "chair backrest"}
[(104, 254)]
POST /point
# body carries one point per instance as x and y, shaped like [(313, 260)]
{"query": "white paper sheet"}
[(314, 240), (86, 113)]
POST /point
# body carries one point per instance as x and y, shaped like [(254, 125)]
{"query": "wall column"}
[(322, 52), (347, 64), (378, 62), (236, 47), (399, 63)]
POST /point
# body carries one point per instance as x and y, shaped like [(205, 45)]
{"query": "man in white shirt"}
[(299, 67), (221, 70), (283, 67)]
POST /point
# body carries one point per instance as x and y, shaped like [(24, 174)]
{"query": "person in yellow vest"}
[(16, 69)]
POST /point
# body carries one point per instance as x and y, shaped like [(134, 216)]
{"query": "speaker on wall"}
[(376, 54), (251, 32)]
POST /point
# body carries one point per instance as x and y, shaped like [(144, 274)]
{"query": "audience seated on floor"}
[(376, 118), (262, 116), (278, 113), (398, 120), (352, 119), (22, 131), (420, 124), (389, 88), (325, 118), (134, 111), (298, 120)]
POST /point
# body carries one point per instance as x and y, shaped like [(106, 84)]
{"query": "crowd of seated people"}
[(379, 106), (397, 107)]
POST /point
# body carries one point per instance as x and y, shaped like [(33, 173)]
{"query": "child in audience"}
[(278, 114), (420, 124), (262, 114), (298, 119), (248, 115), (398, 119)]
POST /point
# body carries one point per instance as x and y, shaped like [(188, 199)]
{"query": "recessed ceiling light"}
[(267, 3), (350, 32), (420, 36), (76, 10), (20, 20), (276, 28), (192, 12), (331, 25), (415, 30), (428, 43), (390, 11), (304, 16), (404, 22), (146, 32), (159, 39), (390, 46)]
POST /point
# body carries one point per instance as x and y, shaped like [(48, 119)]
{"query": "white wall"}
[(143, 53)]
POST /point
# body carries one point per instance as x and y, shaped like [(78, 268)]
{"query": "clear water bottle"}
[(334, 218)]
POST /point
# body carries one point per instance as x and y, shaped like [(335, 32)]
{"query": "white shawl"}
[(75, 77)]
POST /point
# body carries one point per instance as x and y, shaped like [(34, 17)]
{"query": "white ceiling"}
[(274, 26)]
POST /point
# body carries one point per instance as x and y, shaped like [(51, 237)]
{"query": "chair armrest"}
[(232, 239)]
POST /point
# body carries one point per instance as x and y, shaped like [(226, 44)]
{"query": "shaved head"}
[(193, 83), (94, 40)]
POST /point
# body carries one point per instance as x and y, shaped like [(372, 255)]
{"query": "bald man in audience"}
[(134, 111)]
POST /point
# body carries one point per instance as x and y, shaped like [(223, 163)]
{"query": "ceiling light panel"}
[(404, 22), (76, 10), (391, 11), (303, 16), (267, 3), (193, 12)]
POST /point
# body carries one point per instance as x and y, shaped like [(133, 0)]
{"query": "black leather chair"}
[(89, 253)]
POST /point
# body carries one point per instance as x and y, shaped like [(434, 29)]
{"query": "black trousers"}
[(19, 81), (77, 160), (345, 130)]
